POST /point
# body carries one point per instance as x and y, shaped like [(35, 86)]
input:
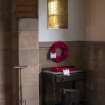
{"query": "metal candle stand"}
[(21, 100)]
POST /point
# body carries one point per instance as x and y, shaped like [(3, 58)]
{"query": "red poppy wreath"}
[(53, 51)]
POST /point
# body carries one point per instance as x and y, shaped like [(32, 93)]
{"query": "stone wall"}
[(29, 56)]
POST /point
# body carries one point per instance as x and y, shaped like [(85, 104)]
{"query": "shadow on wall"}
[(7, 60), (7, 63), (6, 53), (94, 63)]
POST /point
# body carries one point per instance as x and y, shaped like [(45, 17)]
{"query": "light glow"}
[(53, 7), (57, 14)]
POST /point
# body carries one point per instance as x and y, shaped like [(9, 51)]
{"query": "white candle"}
[(52, 55), (66, 72)]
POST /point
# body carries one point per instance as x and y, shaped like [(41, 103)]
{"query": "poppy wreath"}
[(64, 51)]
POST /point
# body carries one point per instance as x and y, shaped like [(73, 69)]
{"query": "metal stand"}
[(20, 84)]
